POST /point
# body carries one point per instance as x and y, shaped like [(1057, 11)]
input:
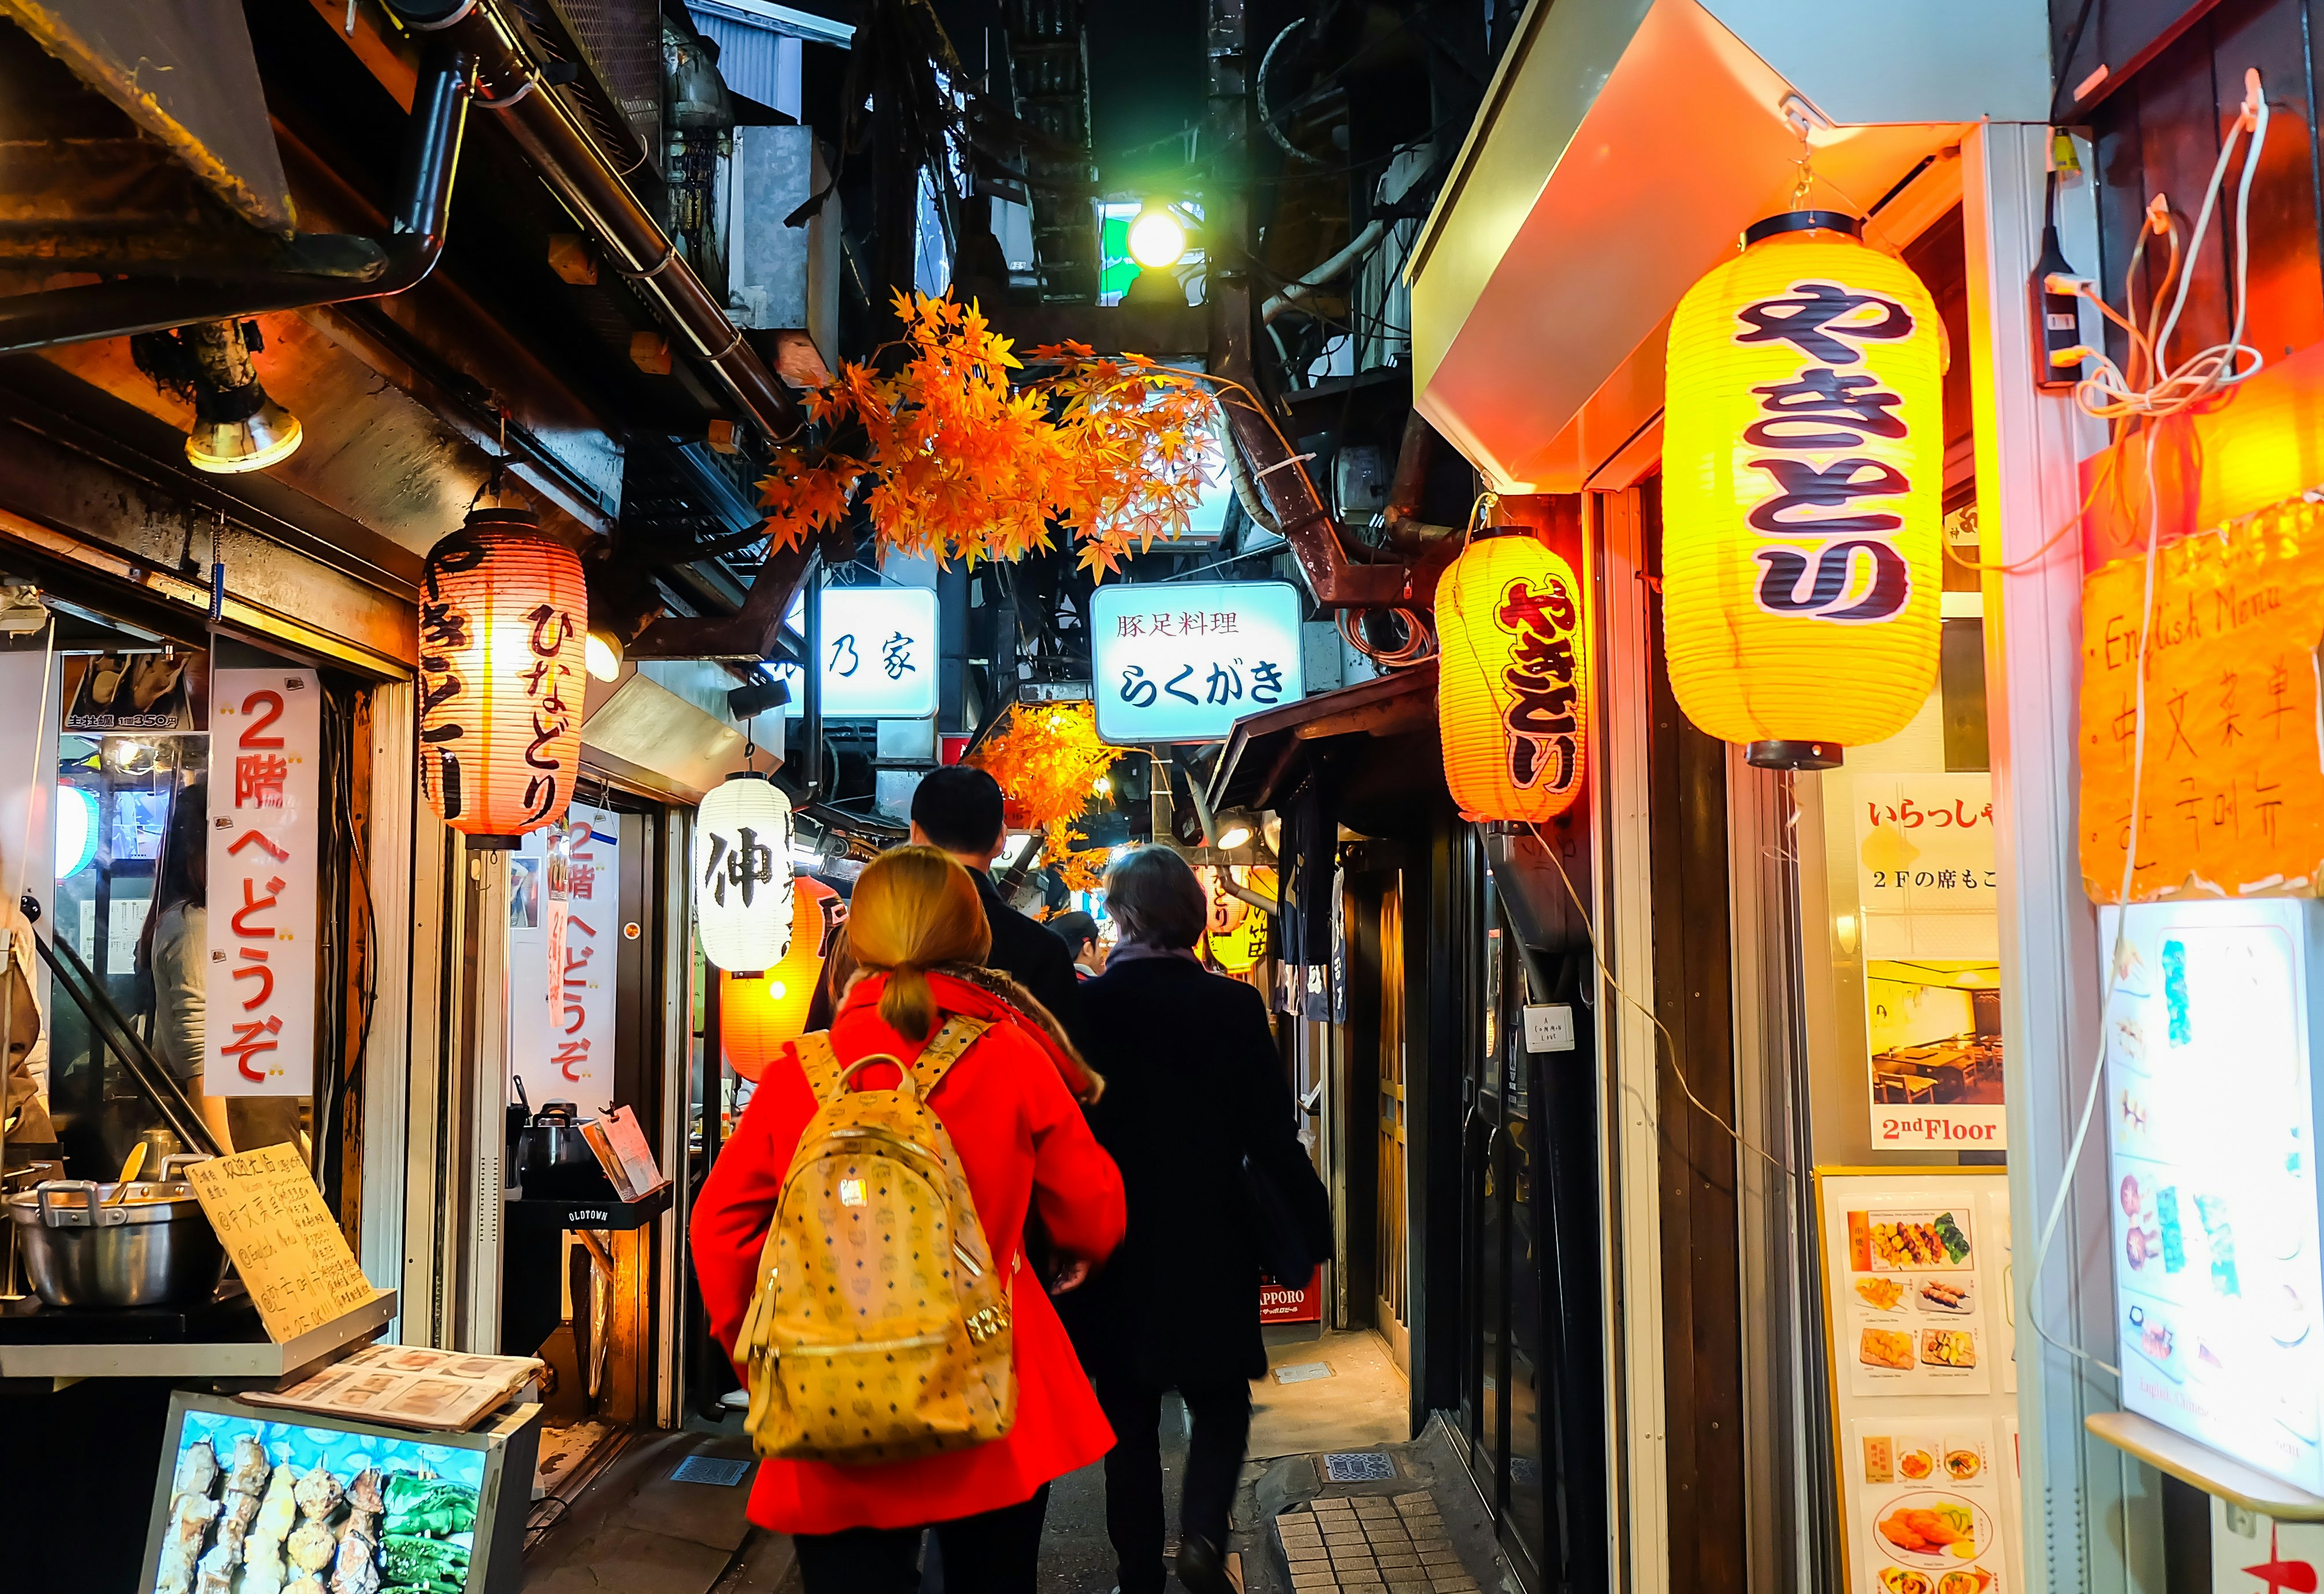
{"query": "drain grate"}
[(1358, 1467), (711, 1469), (1300, 1372)]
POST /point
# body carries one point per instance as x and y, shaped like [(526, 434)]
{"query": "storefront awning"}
[(1622, 149), (1265, 755)]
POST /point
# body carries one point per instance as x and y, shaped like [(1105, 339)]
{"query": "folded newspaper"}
[(409, 1387)]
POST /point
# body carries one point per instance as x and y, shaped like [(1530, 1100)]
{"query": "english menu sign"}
[(2211, 1122)]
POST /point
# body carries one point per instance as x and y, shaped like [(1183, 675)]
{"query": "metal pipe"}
[(311, 269), (560, 148), (1294, 291)]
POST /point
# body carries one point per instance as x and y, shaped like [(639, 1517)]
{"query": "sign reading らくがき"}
[(1183, 662)]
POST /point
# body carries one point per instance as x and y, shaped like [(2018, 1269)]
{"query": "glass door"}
[(1390, 1307)]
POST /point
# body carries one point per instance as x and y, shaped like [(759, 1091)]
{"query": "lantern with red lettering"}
[(1803, 455), (1513, 681), (757, 1018), (743, 875), (503, 625), (1237, 933)]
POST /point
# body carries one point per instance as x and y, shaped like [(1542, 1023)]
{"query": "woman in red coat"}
[(1022, 1140)]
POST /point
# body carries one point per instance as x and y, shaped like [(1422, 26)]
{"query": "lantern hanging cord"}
[(1678, 1070)]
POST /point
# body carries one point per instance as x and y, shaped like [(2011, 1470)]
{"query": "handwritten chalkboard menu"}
[(282, 1239), (2231, 798)]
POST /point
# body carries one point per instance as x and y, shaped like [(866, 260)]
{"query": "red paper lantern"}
[(503, 633), (1513, 684), (757, 1018)]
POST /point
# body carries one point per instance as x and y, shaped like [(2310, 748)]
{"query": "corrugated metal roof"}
[(750, 58)]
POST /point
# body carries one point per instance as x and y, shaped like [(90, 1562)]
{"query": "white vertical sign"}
[(564, 926), (264, 845)]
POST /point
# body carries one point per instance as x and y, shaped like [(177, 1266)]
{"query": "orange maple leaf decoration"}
[(955, 460), (1047, 761)]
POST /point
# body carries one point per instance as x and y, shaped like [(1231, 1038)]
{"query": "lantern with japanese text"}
[(757, 1018), (1513, 681), (743, 875), (503, 627), (1238, 933), (1803, 455)]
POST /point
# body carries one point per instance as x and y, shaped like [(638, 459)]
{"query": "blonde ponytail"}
[(914, 907)]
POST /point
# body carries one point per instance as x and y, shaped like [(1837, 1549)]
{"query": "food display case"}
[(268, 1502), (2211, 1112)]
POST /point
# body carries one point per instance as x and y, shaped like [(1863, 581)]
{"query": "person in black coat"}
[(1193, 1087)]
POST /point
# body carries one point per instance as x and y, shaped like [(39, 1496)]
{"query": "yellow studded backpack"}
[(878, 1330)]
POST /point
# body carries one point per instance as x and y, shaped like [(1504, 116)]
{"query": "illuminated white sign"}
[(1183, 662), (878, 654), (2211, 1119)]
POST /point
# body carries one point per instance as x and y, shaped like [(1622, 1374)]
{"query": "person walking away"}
[(1024, 1147), (1078, 931), (1193, 1087), (959, 810)]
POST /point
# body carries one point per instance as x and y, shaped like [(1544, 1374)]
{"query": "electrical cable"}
[(2113, 396)]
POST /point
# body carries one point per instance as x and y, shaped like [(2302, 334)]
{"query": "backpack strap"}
[(944, 1049), (821, 1065)]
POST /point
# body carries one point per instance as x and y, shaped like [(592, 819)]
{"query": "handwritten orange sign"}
[(2231, 802)]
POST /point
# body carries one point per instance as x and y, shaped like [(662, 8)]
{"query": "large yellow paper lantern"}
[(1803, 452), (1513, 679), (1238, 947), (504, 631), (759, 1016)]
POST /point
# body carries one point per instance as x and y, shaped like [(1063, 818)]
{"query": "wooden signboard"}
[(282, 1239), (2231, 801)]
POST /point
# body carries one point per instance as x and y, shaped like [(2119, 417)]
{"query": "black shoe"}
[(1203, 1569)]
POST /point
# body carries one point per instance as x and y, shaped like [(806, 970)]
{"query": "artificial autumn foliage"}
[(954, 460), (1047, 761)]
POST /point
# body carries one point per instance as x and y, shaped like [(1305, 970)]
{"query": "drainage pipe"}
[(560, 149), (309, 269)]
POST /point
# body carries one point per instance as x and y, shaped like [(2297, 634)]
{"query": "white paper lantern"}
[(743, 875)]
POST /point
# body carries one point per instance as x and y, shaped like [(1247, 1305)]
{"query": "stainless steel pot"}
[(155, 1249)]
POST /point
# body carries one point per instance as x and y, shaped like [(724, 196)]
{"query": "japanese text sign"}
[(1924, 865), (879, 652), (2231, 798), (283, 1240), (1184, 662), (265, 834), (564, 924)]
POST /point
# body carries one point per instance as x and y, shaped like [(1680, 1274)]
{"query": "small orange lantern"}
[(504, 631), (759, 1016), (1803, 455), (1513, 684)]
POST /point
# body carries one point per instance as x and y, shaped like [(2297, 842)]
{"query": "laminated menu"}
[(409, 1387), (1917, 1304)]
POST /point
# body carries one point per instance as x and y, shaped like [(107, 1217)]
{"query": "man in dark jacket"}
[(958, 810), (1194, 1086)]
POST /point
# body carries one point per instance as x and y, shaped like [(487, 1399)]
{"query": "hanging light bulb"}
[(1156, 239), (236, 427)]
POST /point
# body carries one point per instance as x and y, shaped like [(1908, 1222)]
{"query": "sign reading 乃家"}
[(1183, 662), (879, 653), (265, 778)]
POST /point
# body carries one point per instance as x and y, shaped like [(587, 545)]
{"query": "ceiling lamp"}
[(502, 623), (743, 893), (236, 427), (1803, 452), (601, 653), (1513, 683), (757, 1019)]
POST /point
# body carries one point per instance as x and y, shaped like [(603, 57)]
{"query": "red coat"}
[(1020, 1136)]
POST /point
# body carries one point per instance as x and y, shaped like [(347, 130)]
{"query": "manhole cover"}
[(1358, 1467), (1300, 1372), (725, 1474)]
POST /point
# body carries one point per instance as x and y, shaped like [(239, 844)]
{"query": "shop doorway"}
[(1391, 1304)]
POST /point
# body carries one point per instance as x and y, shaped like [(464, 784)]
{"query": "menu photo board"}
[(1921, 1349), (2211, 1123)]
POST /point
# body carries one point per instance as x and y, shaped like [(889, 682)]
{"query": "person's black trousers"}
[(1220, 1418), (993, 1552)]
